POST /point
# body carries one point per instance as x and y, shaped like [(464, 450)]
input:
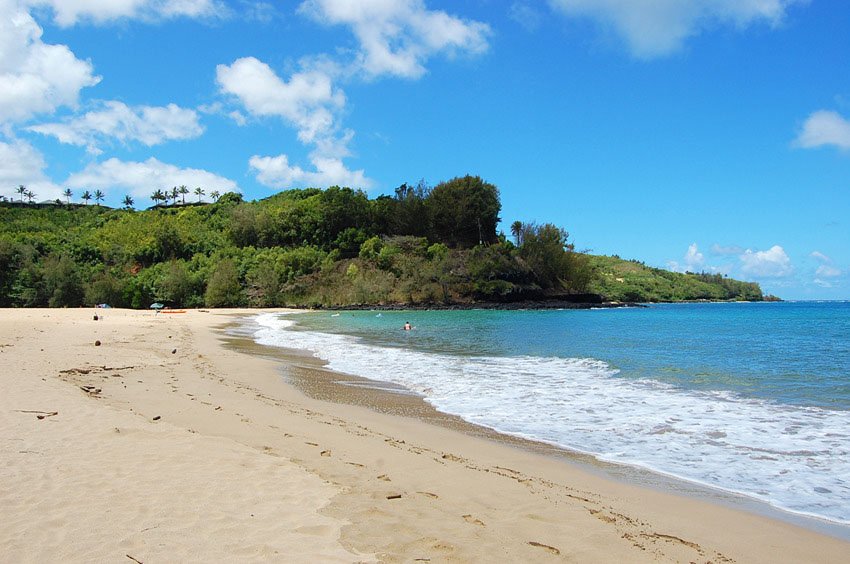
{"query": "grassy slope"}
[(623, 280)]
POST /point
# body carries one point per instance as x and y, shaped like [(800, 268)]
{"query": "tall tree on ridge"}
[(67, 193), (516, 231), (128, 201), (98, 196), (199, 192), (183, 191), (22, 190), (86, 197), (465, 211)]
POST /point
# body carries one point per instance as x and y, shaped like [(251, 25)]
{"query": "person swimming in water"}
[(407, 326)]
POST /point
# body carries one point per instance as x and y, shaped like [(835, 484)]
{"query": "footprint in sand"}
[(551, 549), (472, 520)]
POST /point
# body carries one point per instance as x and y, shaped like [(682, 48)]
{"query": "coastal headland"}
[(153, 437)]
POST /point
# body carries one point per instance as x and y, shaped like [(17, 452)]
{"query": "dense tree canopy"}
[(310, 247), (465, 211)]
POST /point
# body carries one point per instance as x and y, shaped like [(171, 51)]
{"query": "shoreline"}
[(155, 423), (310, 376)]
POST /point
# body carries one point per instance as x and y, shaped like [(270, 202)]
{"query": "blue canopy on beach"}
[(157, 305)]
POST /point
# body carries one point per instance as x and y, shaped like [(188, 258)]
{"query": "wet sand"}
[(309, 375)]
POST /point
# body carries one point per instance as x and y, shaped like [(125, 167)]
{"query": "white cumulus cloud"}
[(772, 263), (693, 258), (69, 12), (397, 36), (308, 100), (694, 261), (823, 128), (276, 172), (653, 28), (22, 164), (35, 77), (142, 178), (149, 125)]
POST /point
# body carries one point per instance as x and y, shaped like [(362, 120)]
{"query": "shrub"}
[(223, 288)]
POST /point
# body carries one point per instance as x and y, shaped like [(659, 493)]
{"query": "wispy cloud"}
[(525, 15), (396, 37), (70, 12), (660, 27), (263, 12), (824, 128), (726, 250), (820, 257), (826, 267)]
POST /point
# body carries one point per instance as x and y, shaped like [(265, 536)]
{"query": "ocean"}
[(751, 398)]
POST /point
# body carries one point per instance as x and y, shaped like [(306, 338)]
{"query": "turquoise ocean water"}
[(749, 398)]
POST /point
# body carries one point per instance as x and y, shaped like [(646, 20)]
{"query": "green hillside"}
[(632, 281), (312, 247)]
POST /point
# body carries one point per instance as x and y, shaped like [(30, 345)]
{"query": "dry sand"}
[(162, 445)]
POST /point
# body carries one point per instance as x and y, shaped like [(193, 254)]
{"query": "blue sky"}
[(704, 135)]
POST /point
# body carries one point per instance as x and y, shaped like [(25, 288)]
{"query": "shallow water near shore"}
[(748, 398)]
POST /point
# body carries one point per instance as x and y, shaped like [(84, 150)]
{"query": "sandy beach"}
[(148, 438)]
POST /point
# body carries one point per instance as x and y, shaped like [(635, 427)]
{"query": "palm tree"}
[(157, 197), (183, 191), (128, 202), (22, 190), (516, 231), (175, 191), (199, 192), (67, 193), (86, 197), (215, 195), (30, 195), (98, 196)]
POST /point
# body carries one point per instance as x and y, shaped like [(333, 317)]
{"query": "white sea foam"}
[(795, 458)]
